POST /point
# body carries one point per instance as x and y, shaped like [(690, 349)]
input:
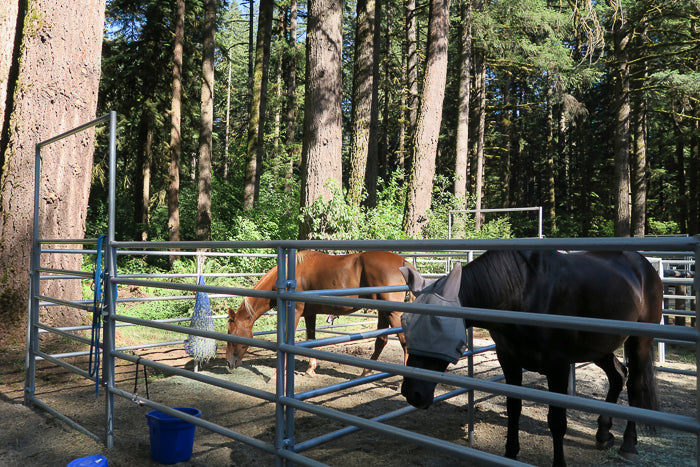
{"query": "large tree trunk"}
[(639, 176), (411, 73), (462, 139), (622, 130), (142, 183), (291, 98), (256, 124), (8, 67), (206, 124), (51, 89), (480, 136), (551, 169), (175, 131), (425, 143), (363, 104), (322, 144)]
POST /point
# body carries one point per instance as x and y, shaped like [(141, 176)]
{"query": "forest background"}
[(356, 119), (556, 104)]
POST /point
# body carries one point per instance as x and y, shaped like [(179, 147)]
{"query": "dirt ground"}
[(33, 437)]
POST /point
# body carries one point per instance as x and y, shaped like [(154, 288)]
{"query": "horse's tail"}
[(648, 396), (650, 399)]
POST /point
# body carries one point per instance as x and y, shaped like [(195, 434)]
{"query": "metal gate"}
[(286, 399)]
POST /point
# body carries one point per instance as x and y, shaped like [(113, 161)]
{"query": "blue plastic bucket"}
[(95, 460), (172, 439)]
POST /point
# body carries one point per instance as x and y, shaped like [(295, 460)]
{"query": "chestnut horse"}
[(608, 285), (319, 271)]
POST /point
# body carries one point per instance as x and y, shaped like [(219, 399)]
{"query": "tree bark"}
[(639, 176), (175, 131), (206, 124), (322, 143), (425, 143), (551, 169), (291, 98), (9, 26), (462, 139), (480, 137), (362, 99), (411, 73), (256, 123), (52, 89), (622, 129)]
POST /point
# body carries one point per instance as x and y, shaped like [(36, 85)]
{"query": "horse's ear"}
[(415, 281), (453, 282)]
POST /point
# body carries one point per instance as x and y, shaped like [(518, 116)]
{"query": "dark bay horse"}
[(319, 271), (609, 285)]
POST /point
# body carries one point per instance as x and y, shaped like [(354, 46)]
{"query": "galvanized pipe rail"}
[(284, 397)]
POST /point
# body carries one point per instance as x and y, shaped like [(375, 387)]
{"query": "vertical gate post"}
[(33, 311), (284, 416), (290, 311), (110, 308), (696, 286)]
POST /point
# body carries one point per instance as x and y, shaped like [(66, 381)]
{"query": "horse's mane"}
[(496, 279), (304, 254)]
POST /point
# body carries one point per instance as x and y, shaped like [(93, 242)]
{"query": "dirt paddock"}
[(32, 437)]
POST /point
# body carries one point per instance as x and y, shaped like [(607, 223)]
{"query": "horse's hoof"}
[(607, 444), (630, 456)]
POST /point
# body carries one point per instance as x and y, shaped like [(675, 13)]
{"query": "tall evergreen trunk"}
[(52, 81), (551, 169), (277, 121), (291, 96), (480, 136), (694, 174), (251, 50), (175, 129), (401, 160), (206, 124), (256, 124), (622, 128), (509, 111), (679, 176), (374, 155), (411, 74), (8, 67), (142, 182), (638, 169), (227, 131), (322, 144), (363, 103), (694, 163), (425, 143), (462, 139)]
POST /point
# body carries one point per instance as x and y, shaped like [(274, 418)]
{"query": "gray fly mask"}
[(430, 335)]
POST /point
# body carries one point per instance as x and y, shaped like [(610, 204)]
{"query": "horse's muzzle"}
[(417, 392), (234, 362)]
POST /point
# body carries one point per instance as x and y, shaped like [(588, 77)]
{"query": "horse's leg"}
[(310, 320), (395, 322), (558, 381), (641, 389), (380, 341), (616, 373), (513, 373)]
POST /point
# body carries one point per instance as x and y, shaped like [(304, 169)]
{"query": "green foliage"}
[(161, 309), (338, 220), (661, 227)]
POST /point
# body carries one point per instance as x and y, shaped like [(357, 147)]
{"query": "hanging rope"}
[(97, 306)]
